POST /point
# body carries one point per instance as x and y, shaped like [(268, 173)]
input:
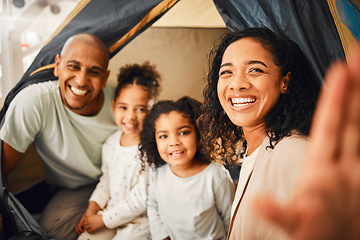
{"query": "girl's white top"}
[(197, 207), (122, 190)]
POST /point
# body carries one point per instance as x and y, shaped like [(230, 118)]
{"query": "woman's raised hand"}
[(326, 201)]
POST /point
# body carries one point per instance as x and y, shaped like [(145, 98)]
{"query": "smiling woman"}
[(250, 84), (261, 91)]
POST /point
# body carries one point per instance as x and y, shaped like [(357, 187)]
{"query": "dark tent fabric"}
[(309, 23)]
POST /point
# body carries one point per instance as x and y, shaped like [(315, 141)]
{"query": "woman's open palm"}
[(326, 200)]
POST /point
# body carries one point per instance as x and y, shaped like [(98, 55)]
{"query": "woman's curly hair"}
[(148, 148), (293, 111), (143, 75)]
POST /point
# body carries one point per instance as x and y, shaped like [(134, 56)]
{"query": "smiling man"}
[(67, 121)]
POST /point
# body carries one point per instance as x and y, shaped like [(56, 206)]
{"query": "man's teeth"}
[(78, 91), (242, 101)]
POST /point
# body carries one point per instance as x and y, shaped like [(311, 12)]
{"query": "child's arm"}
[(101, 194), (224, 197), (92, 209), (131, 207)]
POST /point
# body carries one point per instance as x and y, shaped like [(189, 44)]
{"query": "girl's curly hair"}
[(148, 148), (293, 111), (144, 75)]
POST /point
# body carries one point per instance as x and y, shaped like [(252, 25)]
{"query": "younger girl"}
[(188, 197), (117, 206)]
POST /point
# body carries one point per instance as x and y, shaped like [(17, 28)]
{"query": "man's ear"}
[(285, 83), (57, 65)]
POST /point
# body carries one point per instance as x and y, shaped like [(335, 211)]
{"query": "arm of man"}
[(22, 123), (11, 158)]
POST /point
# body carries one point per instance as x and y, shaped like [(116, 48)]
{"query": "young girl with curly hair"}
[(261, 92), (117, 206), (189, 196)]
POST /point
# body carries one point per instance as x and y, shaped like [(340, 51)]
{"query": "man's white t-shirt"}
[(68, 144)]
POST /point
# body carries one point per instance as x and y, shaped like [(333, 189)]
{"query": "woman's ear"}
[(285, 83)]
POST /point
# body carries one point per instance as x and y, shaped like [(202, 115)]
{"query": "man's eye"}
[(95, 72), (73, 67)]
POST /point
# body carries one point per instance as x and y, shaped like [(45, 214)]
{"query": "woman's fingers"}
[(328, 116), (279, 215)]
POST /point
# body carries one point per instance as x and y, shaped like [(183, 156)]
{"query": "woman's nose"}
[(240, 81)]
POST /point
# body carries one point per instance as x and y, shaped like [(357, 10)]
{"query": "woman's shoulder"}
[(293, 143), (288, 152)]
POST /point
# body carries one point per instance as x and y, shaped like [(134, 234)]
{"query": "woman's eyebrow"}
[(256, 62), (225, 64)]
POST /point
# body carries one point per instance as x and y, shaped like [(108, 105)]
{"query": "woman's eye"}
[(224, 72), (256, 70)]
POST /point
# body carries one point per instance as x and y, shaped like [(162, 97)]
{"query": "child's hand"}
[(92, 209), (93, 223), (326, 203), (79, 227)]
